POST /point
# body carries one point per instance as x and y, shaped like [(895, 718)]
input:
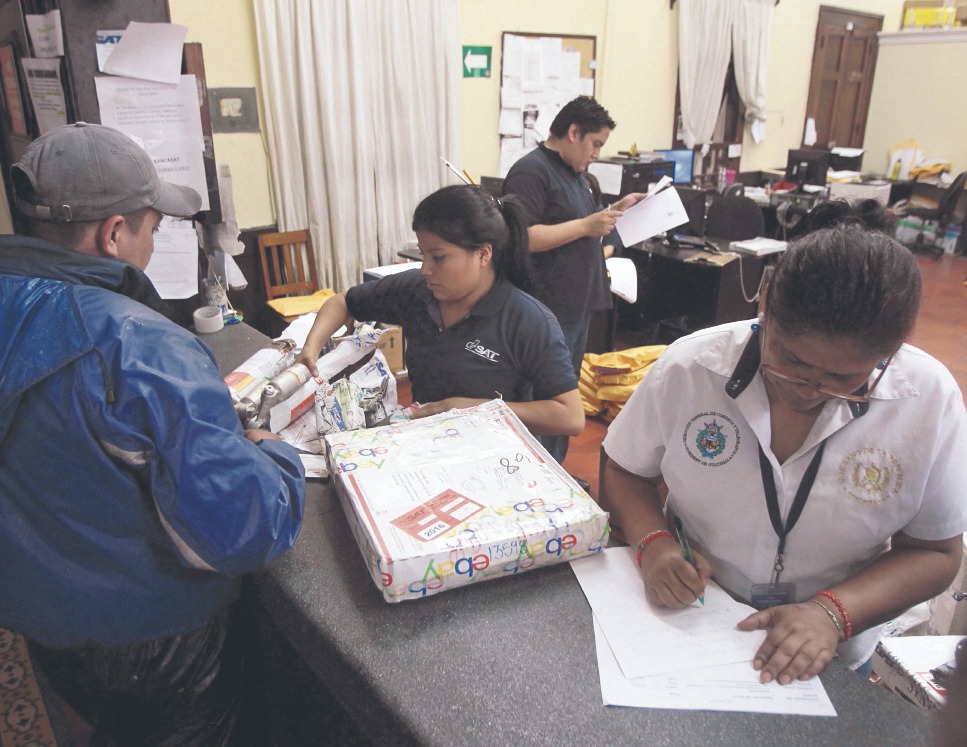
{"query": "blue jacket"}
[(130, 500)]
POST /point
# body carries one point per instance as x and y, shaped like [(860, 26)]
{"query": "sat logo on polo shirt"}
[(477, 349), (711, 439)]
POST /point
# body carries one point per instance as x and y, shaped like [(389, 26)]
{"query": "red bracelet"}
[(847, 623), (640, 547)]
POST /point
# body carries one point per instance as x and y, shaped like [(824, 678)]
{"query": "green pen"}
[(683, 541)]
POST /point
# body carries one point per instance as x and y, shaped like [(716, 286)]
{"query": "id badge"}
[(765, 596)]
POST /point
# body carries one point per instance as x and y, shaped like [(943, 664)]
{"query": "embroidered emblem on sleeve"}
[(711, 439), (870, 475)]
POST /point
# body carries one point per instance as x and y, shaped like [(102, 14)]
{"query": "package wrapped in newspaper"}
[(457, 498)]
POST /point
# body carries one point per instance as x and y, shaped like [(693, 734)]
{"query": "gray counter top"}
[(508, 661)]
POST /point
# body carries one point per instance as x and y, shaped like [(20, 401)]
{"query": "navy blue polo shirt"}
[(571, 280), (509, 346)]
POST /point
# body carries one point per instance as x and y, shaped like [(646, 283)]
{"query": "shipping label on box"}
[(457, 498)]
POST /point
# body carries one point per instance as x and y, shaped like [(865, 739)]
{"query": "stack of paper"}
[(759, 246), (689, 659)]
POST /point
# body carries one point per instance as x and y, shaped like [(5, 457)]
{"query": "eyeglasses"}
[(849, 397)]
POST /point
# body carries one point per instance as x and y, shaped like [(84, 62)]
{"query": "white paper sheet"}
[(164, 119), (46, 34), (173, 268), (728, 687), (651, 640), (608, 175), (150, 51), (46, 91), (656, 213), (624, 278), (106, 41)]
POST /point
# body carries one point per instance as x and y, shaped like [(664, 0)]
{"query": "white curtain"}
[(704, 47), (750, 50), (361, 99)]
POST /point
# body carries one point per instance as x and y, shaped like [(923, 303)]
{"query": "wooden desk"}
[(670, 287), (507, 661)]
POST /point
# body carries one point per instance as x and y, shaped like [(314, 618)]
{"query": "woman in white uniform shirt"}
[(868, 432)]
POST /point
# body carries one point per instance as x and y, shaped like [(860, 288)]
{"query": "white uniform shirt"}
[(900, 466)]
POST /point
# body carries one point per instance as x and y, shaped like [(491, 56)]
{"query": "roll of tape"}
[(208, 319)]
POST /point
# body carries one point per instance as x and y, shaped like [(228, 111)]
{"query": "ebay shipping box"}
[(456, 498)]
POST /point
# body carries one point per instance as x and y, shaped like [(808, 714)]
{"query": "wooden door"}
[(844, 58)]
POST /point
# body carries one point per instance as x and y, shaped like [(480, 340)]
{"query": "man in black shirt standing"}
[(566, 227)]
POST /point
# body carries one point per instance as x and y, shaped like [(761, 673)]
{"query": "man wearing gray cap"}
[(131, 500)]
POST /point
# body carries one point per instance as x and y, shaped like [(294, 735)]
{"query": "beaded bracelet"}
[(640, 547), (847, 623), (832, 616)]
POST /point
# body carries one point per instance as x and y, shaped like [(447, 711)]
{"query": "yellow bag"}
[(623, 361), (299, 305)]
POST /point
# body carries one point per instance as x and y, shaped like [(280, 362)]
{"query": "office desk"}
[(508, 661), (671, 287)]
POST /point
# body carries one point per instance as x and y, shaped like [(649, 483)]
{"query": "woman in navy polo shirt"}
[(472, 332)]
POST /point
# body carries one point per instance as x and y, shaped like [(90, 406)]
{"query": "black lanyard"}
[(798, 503)]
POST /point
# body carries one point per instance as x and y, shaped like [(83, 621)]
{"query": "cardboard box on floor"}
[(458, 498)]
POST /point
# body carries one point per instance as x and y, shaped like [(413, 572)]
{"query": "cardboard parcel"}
[(457, 498)]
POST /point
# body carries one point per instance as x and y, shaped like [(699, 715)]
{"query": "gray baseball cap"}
[(89, 172)]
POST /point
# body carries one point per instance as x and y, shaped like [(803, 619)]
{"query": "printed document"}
[(692, 658), (660, 211)]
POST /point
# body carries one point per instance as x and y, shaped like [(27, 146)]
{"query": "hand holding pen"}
[(686, 550), (672, 578)]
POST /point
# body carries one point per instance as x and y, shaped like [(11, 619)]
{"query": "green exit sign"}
[(476, 62)]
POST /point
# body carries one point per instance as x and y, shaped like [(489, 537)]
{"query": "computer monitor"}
[(693, 200), (684, 161), (807, 167), (493, 185)]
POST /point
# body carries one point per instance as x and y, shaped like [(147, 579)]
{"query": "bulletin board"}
[(539, 74)]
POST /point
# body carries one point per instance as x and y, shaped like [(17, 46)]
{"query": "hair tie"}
[(756, 326), (882, 364)]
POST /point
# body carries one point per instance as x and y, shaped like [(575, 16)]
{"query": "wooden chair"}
[(288, 264)]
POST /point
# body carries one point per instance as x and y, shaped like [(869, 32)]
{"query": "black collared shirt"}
[(508, 346), (571, 279)]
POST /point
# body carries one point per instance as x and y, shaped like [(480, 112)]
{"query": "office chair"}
[(943, 214), (288, 264), (734, 190), (734, 218)]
